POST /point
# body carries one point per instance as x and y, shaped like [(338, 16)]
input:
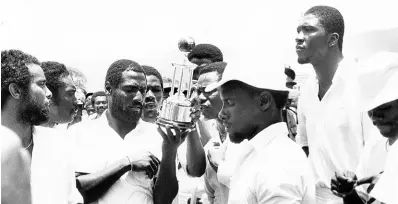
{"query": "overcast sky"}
[(90, 35)]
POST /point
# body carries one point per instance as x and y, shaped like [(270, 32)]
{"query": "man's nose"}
[(299, 38), (49, 94), (222, 116), (202, 98)]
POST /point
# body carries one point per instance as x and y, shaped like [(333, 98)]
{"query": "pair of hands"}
[(345, 182)]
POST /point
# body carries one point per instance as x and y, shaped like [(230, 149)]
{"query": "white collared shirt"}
[(386, 189), (98, 146), (334, 129), (52, 175), (274, 170)]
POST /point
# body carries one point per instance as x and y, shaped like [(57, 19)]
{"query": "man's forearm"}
[(166, 186), (94, 186), (196, 158)]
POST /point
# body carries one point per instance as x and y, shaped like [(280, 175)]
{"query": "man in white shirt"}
[(271, 168), (378, 94), (120, 159), (331, 127)]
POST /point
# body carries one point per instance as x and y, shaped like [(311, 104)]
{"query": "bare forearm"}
[(95, 185), (196, 158), (166, 186)]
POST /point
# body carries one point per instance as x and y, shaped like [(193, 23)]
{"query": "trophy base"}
[(182, 125)]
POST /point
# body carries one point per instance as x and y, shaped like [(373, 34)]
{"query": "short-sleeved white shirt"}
[(273, 170), (98, 146)]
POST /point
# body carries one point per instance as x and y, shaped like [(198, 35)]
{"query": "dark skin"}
[(125, 107), (385, 118), (319, 48)]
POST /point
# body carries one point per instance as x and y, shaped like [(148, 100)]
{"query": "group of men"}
[(240, 144)]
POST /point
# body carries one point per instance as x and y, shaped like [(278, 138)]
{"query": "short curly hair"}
[(14, 70), (151, 71), (114, 73), (331, 19), (218, 67), (206, 51), (95, 94), (54, 72)]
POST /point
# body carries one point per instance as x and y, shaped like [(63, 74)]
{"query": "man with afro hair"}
[(204, 54)]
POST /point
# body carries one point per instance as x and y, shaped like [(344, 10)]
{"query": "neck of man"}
[(276, 117), (121, 127), (49, 124), (326, 68), (23, 130)]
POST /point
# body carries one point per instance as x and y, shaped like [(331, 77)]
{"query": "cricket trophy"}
[(177, 108)]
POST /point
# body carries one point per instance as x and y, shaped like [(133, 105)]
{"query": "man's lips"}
[(150, 105), (299, 48)]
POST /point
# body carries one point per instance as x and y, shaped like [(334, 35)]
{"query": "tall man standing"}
[(331, 128), (116, 157)]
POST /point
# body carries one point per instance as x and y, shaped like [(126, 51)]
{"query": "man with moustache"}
[(332, 130), (63, 106), (117, 155), (270, 167), (99, 102), (26, 104), (219, 149), (154, 94)]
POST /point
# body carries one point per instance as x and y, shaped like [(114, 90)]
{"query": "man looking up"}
[(331, 127), (117, 155)]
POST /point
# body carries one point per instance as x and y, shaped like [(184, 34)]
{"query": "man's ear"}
[(333, 39), (108, 88), (265, 100), (15, 91)]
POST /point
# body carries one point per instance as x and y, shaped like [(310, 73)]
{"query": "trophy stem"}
[(190, 84), (174, 78), (181, 82)]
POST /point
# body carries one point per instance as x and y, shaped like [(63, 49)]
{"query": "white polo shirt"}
[(275, 170), (334, 129), (98, 146), (52, 175), (386, 189)]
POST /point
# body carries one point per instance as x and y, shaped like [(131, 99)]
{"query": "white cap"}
[(264, 74), (378, 80)]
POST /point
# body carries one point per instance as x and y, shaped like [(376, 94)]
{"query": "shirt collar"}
[(263, 138)]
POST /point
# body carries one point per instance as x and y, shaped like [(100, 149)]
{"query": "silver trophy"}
[(177, 108)]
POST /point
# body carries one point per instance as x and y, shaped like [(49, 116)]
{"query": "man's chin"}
[(303, 60), (235, 138)]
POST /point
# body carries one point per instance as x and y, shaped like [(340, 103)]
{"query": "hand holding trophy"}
[(177, 109)]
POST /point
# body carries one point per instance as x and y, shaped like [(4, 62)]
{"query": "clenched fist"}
[(144, 161)]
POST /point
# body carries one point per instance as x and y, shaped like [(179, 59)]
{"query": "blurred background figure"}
[(154, 94), (290, 111), (202, 55), (80, 82), (100, 104)]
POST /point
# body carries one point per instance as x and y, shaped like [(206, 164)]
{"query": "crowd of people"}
[(256, 138)]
